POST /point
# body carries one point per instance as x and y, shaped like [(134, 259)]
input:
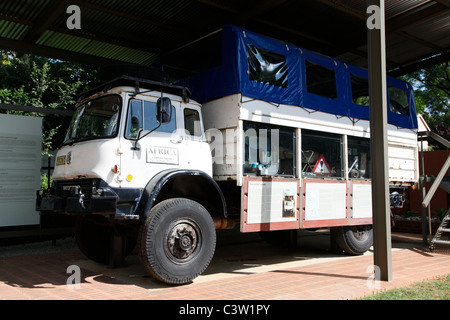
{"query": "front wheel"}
[(177, 241), (354, 240)]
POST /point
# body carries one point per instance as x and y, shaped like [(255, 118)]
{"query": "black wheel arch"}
[(191, 184)]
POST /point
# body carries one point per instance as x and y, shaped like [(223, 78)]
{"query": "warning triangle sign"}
[(321, 166)]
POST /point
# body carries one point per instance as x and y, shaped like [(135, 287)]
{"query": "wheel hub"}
[(360, 233), (182, 240)]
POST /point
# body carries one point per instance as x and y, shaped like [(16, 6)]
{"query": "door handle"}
[(177, 140)]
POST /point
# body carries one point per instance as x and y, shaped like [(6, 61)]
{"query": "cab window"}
[(142, 114), (192, 122)]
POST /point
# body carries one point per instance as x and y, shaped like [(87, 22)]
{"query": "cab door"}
[(196, 151), (155, 151)]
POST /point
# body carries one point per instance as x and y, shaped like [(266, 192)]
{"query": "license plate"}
[(61, 160)]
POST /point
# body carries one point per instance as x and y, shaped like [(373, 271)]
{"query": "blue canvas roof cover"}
[(263, 68)]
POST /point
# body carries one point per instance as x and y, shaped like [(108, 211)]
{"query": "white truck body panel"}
[(323, 202), (226, 114)]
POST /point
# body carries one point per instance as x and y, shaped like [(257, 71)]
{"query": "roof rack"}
[(138, 84)]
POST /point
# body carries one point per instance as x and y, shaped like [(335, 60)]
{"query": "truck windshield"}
[(95, 119)]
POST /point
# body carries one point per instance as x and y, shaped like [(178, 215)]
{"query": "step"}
[(444, 229), (440, 242), (445, 185)]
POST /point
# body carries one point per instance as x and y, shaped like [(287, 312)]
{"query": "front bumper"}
[(75, 204), (88, 196)]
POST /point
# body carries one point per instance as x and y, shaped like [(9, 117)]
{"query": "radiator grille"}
[(85, 185)]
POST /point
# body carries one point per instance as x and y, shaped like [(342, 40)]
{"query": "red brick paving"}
[(43, 277)]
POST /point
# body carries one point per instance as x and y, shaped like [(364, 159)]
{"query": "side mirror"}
[(163, 110)]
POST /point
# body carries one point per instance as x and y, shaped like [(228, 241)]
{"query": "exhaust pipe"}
[(221, 223)]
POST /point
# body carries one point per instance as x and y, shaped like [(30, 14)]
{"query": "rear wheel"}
[(354, 240), (177, 241)]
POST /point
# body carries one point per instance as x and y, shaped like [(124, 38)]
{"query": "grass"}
[(438, 289)]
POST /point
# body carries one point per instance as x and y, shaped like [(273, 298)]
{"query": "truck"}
[(249, 131)]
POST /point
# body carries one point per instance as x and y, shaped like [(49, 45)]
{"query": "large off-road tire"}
[(94, 235), (355, 240), (177, 241)]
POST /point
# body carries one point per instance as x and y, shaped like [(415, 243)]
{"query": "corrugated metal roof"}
[(12, 30), (137, 31), (24, 9), (63, 41), (395, 8), (436, 31), (96, 48)]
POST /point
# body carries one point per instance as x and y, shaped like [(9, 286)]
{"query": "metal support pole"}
[(423, 193), (378, 144)]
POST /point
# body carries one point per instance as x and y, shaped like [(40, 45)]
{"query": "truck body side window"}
[(320, 80), (321, 155), (269, 150), (358, 158), (398, 101), (267, 67), (360, 90)]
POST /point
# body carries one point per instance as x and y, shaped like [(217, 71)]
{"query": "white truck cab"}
[(115, 136), (128, 148)]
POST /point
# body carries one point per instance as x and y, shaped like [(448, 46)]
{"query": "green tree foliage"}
[(432, 92), (40, 82)]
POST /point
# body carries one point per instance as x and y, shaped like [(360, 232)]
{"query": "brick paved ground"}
[(288, 277)]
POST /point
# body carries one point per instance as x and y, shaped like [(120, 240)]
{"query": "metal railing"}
[(437, 182)]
